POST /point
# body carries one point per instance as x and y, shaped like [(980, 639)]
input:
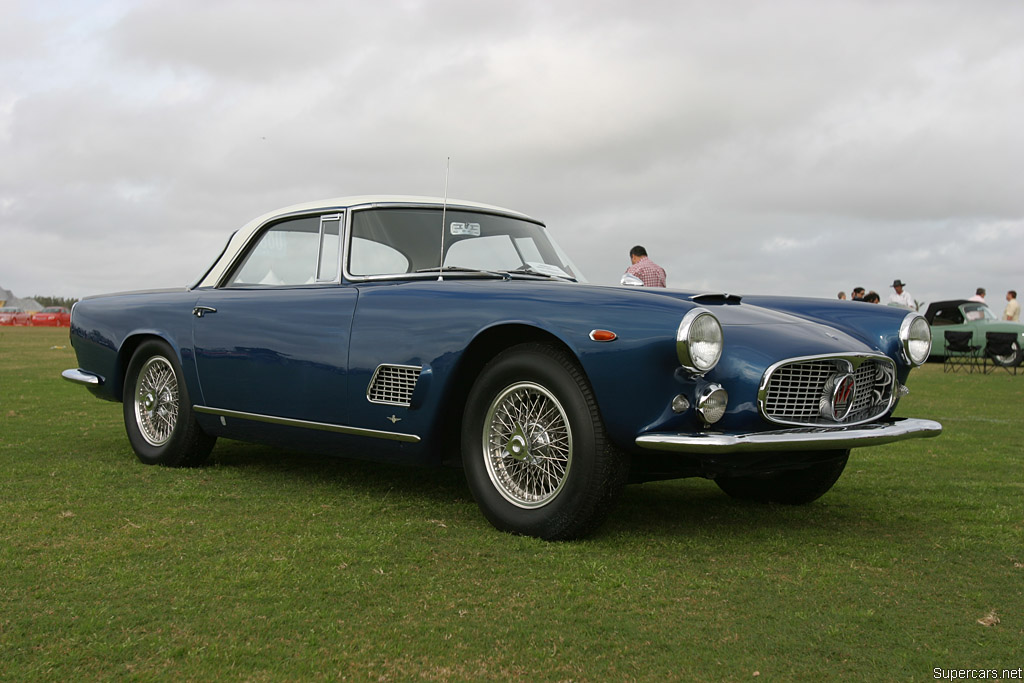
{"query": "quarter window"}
[(330, 248)]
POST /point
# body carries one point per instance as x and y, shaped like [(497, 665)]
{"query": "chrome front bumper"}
[(799, 439)]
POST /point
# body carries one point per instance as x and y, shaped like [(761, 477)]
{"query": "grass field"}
[(274, 565)]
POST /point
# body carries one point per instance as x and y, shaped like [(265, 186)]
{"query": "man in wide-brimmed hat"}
[(900, 296)]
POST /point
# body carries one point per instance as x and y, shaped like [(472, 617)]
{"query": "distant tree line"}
[(45, 301)]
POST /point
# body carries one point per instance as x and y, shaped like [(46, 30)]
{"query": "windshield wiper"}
[(527, 269)]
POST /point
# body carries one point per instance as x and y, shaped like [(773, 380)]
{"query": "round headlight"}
[(916, 338), (699, 341)]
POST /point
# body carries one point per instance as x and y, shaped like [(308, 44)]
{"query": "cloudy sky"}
[(790, 147)]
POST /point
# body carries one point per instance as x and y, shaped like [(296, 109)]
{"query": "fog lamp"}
[(711, 403)]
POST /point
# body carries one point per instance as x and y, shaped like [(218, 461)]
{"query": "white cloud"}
[(791, 147)]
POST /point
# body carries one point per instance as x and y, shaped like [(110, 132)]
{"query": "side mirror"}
[(631, 281)]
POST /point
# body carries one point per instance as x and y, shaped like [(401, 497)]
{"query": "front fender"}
[(106, 330)]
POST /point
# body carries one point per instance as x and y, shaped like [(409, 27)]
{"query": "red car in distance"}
[(14, 315), (52, 316)]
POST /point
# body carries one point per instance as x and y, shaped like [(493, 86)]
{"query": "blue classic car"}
[(424, 331)]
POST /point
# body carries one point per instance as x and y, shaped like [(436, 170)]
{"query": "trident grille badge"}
[(842, 396)]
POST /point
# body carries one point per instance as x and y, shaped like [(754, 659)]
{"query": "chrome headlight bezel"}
[(915, 339), (699, 341)]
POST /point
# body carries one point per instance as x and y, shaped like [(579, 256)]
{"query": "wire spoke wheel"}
[(156, 401), (534, 449), (158, 417), (527, 445)]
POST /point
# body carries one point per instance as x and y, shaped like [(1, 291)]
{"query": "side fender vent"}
[(393, 384)]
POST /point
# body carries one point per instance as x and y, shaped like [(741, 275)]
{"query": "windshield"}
[(978, 312), (400, 241)]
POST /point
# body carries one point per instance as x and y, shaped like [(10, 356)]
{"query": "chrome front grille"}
[(393, 384), (805, 391)]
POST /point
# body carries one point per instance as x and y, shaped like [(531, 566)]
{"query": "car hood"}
[(730, 309), (765, 325)]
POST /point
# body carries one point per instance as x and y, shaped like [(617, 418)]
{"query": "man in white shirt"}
[(1012, 311), (979, 295), (902, 297)]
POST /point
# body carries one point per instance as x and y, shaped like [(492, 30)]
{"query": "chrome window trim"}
[(373, 380), (305, 424), (853, 361), (469, 275), (324, 219)]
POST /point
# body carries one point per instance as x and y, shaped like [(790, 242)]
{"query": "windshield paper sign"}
[(472, 229)]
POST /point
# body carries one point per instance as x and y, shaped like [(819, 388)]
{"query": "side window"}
[(299, 251), (948, 316)]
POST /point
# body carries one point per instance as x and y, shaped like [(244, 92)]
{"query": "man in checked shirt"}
[(644, 268)]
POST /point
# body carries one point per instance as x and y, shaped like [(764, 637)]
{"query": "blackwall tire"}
[(1010, 360), (158, 416), (789, 487), (534, 448)]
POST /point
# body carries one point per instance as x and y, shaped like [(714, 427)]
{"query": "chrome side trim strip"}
[(304, 424), (802, 439), (79, 376)]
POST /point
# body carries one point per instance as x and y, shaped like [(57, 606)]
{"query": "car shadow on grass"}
[(697, 506), (368, 477), (666, 509)]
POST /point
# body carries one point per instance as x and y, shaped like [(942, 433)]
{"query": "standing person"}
[(858, 294), (1012, 312), (979, 295), (872, 298), (842, 296), (649, 272), (900, 296)]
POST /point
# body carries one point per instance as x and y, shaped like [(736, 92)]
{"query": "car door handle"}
[(200, 311)]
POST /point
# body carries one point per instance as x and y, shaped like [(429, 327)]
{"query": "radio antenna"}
[(444, 210)]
